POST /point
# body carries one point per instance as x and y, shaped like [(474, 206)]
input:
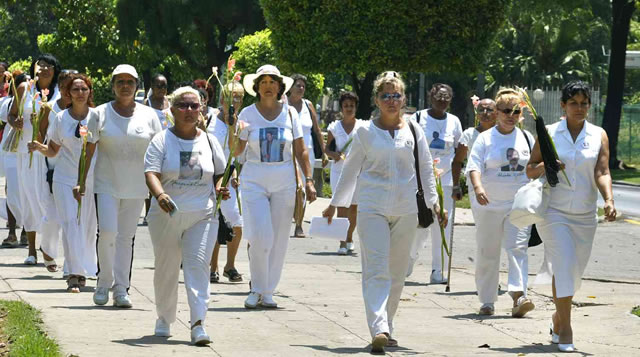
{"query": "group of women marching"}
[(82, 173)]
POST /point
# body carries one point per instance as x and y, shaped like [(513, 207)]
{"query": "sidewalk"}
[(321, 309)]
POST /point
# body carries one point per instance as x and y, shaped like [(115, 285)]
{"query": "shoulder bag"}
[(425, 215), (298, 211)]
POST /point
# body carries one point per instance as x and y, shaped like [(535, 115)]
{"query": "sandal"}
[(214, 277), (11, 241), (23, 238), (233, 275), (72, 284), (51, 265), (82, 281)]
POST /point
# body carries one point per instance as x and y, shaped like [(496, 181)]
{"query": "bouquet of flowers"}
[(35, 118), (15, 135), (475, 101), (84, 133), (444, 247)]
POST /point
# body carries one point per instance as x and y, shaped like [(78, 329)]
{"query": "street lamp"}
[(538, 95)]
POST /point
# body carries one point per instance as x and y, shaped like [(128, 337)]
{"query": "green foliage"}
[(21, 21), (24, 327), (22, 65), (257, 49)]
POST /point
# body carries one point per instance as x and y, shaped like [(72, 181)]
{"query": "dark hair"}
[(66, 74), (208, 86), (436, 88), (203, 94), (298, 76), (87, 81), (348, 96), (256, 83), (575, 87), (5, 65), (157, 76), (50, 59)]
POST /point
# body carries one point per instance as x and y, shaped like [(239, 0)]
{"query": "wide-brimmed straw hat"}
[(268, 69)]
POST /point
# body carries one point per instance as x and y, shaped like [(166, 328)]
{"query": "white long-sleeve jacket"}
[(384, 168)]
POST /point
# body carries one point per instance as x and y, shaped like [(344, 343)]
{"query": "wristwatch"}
[(309, 178)]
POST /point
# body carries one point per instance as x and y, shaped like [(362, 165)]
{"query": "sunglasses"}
[(485, 110), (183, 107), (387, 97), (510, 111)]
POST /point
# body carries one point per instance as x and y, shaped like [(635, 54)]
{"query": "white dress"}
[(341, 138), (570, 224)]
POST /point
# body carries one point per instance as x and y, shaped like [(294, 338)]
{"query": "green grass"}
[(22, 326), (636, 311), (630, 176), (464, 202)]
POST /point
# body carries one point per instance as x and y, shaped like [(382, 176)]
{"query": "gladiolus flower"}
[(214, 70), (230, 64), (45, 92), (83, 130), (237, 76), (438, 172), (475, 101), (7, 75), (436, 161)]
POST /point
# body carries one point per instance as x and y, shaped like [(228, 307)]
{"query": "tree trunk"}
[(364, 90), (622, 10)]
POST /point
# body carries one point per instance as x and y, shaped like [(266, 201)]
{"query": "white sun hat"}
[(269, 69), (125, 69)]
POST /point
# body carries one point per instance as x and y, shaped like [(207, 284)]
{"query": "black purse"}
[(225, 231), (49, 175), (425, 215), (317, 149), (534, 237)]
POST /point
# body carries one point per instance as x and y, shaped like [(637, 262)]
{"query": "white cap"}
[(125, 69)]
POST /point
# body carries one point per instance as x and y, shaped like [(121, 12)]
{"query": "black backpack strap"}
[(417, 121), (526, 137)]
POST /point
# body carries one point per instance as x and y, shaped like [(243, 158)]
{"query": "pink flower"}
[(35, 97), (231, 63), (237, 76), (475, 101), (45, 92), (83, 130), (438, 172), (7, 75), (436, 161)]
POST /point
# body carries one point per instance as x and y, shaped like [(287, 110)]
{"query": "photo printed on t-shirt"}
[(272, 144), (190, 167), (513, 157)]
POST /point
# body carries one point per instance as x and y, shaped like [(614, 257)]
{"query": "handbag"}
[(425, 215), (298, 211), (225, 231), (317, 149)]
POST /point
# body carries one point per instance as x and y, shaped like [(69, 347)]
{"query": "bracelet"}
[(309, 178), (158, 195)]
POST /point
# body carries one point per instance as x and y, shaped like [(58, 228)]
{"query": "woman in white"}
[(569, 226), (121, 131), (382, 164), (497, 170), (66, 134), (443, 132), (309, 122), (219, 128), (340, 132), (183, 167), (487, 114), (33, 187), (268, 181)]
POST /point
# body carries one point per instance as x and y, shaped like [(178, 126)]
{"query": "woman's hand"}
[(36, 146), (224, 191), (443, 218), (78, 192), (310, 190), (336, 156), (481, 196), (329, 212), (325, 160), (18, 123), (165, 202), (610, 212), (234, 183)]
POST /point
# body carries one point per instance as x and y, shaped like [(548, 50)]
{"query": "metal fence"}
[(629, 134)]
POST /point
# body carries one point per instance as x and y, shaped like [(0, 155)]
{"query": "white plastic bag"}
[(530, 204)]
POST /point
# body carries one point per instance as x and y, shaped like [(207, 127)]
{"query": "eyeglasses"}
[(485, 110), (387, 97), (511, 111), (44, 65), (441, 96), (183, 107), (69, 71)]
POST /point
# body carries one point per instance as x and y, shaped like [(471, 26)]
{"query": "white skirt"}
[(568, 239)]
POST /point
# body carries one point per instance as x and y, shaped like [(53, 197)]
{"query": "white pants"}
[(230, 209), (267, 217), (50, 230), (13, 186), (385, 244), (32, 187), (117, 224), (79, 237), (187, 238), (493, 230)]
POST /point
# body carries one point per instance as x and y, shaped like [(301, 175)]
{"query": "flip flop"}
[(233, 275), (10, 243), (51, 265)]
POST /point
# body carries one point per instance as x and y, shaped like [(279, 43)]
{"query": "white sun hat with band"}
[(267, 69)]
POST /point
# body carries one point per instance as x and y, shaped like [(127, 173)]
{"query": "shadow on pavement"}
[(243, 309), (41, 277), (146, 341), (339, 350), (475, 316), (531, 349), (230, 293), (332, 254), (457, 293), (96, 307)]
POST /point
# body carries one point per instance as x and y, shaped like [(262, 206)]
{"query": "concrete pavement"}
[(321, 309)]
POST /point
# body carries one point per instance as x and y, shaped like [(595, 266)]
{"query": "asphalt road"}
[(627, 199)]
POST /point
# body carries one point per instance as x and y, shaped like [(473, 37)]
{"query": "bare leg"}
[(232, 248), (352, 214), (214, 257), (11, 220), (31, 237), (344, 213), (562, 316)]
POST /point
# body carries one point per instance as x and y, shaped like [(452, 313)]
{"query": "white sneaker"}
[(31, 260), (163, 329), (268, 302), (252, 300), (487, 309), (122, 301), (351, 247), (342, 251), (101, 296), (437, 277), (199, 336)]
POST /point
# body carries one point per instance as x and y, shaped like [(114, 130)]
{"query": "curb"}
[(623, 183)]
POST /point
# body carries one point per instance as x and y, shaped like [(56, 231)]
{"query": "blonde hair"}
[(507, 96), (181, 92), (388, 77)]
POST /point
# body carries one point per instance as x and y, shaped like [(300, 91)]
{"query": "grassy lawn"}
[(464, 202), (21, 331), (630, 176), (636, 311)]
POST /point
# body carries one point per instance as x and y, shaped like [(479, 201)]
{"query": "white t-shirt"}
[(307, 125), (443, 136), (341, 138), (501, 160), (219, 130), (62, 131), (122, 143), (187, 168), (52, 161), (469, 137)]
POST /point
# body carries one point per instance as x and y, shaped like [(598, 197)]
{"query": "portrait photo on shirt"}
[(272, 142), (512, 156), (190, 168), (436, 142)]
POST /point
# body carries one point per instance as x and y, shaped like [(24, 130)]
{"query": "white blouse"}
[(580, 160), (387, 182)]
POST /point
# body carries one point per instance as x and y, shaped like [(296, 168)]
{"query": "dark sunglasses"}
[(485, 110), (183, 107), (386, 97), (510, 111)]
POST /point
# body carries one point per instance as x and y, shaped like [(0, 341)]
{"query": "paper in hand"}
[(337, 230)]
